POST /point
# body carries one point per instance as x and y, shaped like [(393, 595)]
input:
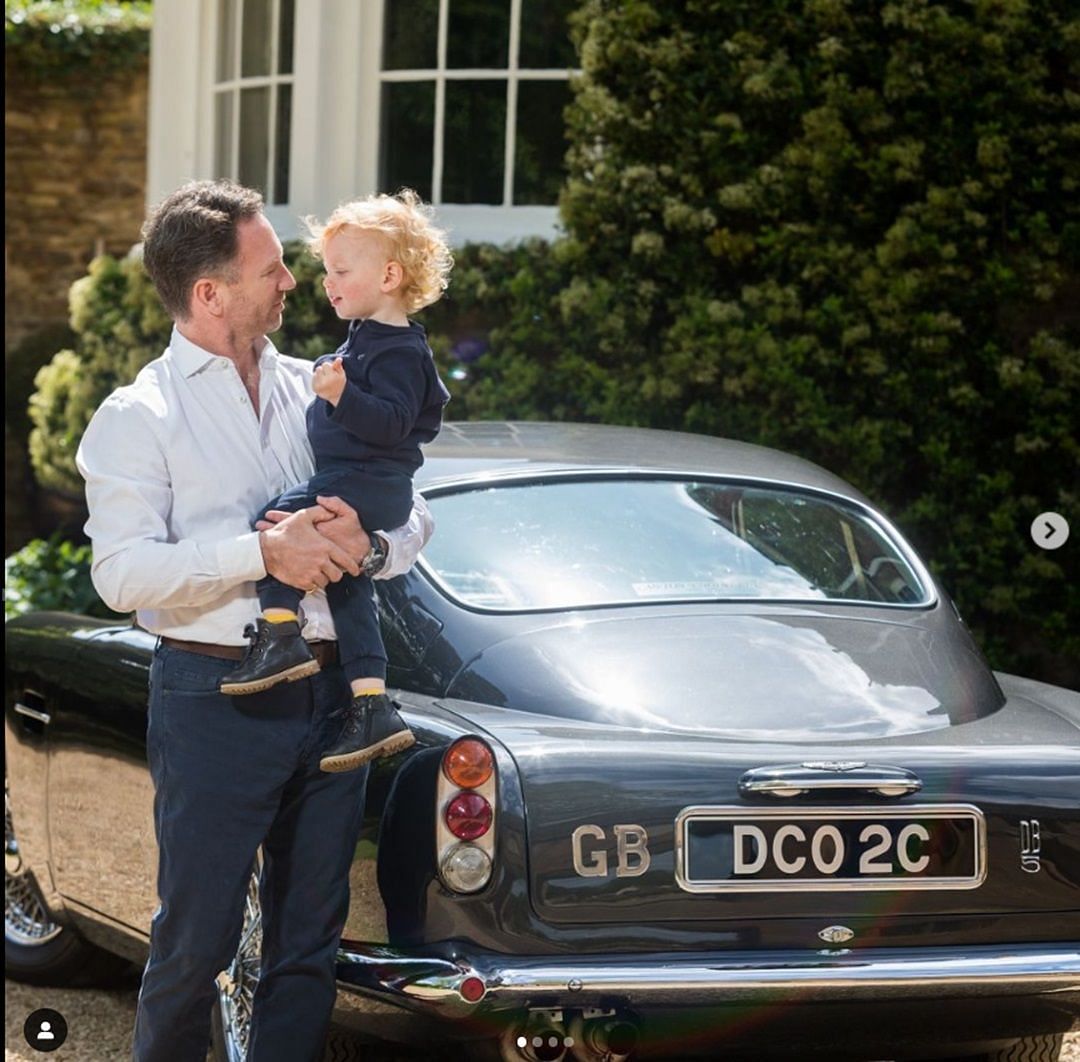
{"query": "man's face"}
[(255, 299), (356, 279)]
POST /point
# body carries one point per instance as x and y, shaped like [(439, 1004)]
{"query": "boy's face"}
[(360, 276)]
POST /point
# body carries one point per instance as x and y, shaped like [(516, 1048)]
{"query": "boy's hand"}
[(328, 380)]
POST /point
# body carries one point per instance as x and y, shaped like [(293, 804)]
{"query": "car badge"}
[(836, 934), (834, 765)]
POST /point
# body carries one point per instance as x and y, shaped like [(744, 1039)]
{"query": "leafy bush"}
[(849, 230), (70, 38), (119, 326), (844, 228), (51, 574), (21, 367)]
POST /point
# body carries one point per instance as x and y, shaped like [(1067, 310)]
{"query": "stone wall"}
[(75, 187)]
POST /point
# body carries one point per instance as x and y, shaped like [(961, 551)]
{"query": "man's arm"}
[(136, 565)]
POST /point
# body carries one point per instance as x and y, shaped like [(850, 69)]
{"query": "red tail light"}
[(468, 816)]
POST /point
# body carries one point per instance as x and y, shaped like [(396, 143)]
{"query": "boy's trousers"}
[(382, 498)]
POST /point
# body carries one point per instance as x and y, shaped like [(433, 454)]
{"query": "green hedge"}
[(51, 574), (850, 230), (71, 38)]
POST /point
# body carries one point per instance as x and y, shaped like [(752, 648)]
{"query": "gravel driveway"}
[(99, 1027)]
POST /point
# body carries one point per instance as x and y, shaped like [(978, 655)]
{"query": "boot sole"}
[(304, 670), (381, 749)]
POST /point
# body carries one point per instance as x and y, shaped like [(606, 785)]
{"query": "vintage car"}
[(707, 763)]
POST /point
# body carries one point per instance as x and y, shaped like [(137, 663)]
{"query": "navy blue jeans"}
[(231, 774), (382, 498)]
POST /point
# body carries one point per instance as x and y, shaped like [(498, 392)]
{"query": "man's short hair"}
[(192, 234)]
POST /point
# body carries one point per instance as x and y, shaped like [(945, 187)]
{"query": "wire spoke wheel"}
[(26, 920), (237, 984)]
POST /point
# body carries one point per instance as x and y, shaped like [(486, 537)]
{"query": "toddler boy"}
[(379, 397)]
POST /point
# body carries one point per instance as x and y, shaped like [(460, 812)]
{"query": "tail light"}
[(468, 763), (468, 816), (465, 835)]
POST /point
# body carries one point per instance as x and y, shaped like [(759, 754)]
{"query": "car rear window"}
[(568, 544)]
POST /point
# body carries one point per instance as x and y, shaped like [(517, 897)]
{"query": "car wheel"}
[(37, 950), (1029, 1049), (231, 1030)]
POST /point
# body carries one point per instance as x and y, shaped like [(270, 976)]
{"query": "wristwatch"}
[(375, 560)]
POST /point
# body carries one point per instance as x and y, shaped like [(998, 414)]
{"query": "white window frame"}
[(235, 85), (336, 79), (466, 221)]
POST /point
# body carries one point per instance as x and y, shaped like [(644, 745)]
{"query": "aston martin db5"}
[(707, 763)]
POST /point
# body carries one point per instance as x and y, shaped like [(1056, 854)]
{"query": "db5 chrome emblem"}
[(1030, 846), (836, 934), (591, 854)]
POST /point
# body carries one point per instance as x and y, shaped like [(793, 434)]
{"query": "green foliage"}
[(21, 366), (119, 326), (847, 229), (70, 38), (51, 574)]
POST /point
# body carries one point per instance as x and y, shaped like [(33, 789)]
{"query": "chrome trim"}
[(483, 481), (780, 788), (797, 779), (881, 884), (431, 984), (32, 713)]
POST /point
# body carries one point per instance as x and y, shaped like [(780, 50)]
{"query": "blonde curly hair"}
[(413, 240)]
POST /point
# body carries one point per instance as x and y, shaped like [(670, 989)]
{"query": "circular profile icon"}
[(45, 1030)]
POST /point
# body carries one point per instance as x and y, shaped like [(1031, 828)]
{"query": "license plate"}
[(738, 849)]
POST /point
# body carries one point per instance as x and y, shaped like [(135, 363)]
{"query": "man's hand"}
[(297, 553), (328, 380), (337, 521)]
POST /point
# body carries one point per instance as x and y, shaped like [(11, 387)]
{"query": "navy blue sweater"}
[(392, 402)]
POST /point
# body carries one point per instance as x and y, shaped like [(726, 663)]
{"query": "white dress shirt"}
[(176, 465)]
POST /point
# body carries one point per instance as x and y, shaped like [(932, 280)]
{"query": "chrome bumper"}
[(463, 982)]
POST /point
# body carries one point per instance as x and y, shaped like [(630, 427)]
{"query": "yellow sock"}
[(367, 687), (279, 615)]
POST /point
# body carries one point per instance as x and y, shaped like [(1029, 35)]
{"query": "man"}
[(175, 465)]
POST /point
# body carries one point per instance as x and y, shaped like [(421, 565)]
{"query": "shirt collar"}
[(193, 359)]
